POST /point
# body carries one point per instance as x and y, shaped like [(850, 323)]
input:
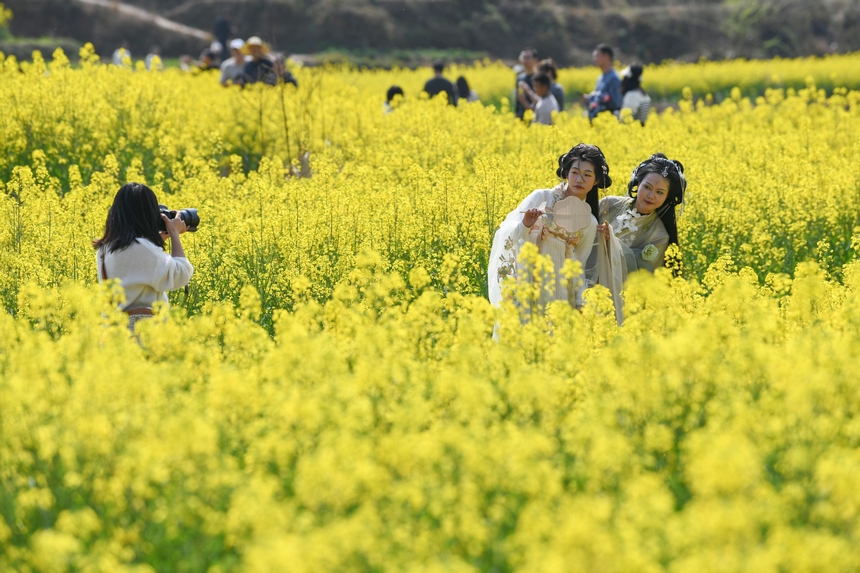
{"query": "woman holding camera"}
[(132, 250)]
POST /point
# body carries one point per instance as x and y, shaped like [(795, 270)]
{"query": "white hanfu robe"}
[(551, 237)]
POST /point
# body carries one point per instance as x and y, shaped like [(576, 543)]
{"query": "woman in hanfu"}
[(561, 221), (636, 230)]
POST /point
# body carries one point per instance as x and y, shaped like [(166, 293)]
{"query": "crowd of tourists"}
[(537, 88), (237, 62), (241, 62)]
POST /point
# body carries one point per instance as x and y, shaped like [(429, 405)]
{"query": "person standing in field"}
[(464, 91), (438, 84), (132, 251), (206, 63), (390, 103), (607, 92), (636, 230), (260, 67), (233, 68), (222, 32), (561, 221), (635, 98), (528, 59), (154, 57), (120, 54), (282, 72), (549, 68), (544, 102)]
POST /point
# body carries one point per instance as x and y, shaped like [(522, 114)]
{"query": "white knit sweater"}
[(146, 272)]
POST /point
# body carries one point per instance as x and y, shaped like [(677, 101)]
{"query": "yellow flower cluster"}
[(752, 77), (772, 181), (329, 396), (385, 430)]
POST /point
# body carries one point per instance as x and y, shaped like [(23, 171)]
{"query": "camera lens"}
[(191, 218)]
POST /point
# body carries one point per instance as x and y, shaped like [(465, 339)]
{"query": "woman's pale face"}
[(581, 178), (652, 193)]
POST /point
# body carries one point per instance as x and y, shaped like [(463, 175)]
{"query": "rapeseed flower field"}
[(328, 396)]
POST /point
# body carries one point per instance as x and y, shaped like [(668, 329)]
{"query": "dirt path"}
[(147, 16)]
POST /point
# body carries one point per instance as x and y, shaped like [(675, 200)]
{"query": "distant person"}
[(607, 91), (541, 99), (120, 54), (219, 54), (260, 68), (549, 67), (635, 98), (233, 68), (464, 92), (221, 31), (390, 103), (206, 63), (438, 84), (528, 60), (153, 60), (282, 72)]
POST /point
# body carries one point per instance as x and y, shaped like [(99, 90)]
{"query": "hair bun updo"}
[(590, 153), (673, 171)]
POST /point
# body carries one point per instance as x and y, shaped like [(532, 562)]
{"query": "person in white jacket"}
[(132, 251)]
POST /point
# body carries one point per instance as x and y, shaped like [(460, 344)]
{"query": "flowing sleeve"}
[(606, 262), (609, 269), (659, 238), (582, 253), (507, 243)]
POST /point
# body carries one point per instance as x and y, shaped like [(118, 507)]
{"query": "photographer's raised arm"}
[(175, 227)]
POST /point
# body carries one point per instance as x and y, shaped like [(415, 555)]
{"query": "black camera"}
[(190, 216)]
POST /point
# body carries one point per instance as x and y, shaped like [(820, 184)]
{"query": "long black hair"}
[(673, 171), (592, 154), (134, 214), (631, 79), (463, 89)]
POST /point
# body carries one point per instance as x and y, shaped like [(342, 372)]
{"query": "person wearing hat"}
[(233, 68), (261, 68)]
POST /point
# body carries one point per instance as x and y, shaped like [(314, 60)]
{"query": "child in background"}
[(541, 99)]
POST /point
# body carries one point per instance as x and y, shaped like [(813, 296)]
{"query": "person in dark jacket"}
[(261, 68), (438, 84)]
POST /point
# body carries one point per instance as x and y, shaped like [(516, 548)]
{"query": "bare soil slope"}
[(648, 30)]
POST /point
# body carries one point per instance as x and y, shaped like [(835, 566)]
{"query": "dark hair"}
[(606, 49), (592, 154), (207, 53), (463, 88), (549, 67), (673, 171), (542, 79), (134, 214), (393, 91), (439, 67), (532, 50), (632, 81)]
